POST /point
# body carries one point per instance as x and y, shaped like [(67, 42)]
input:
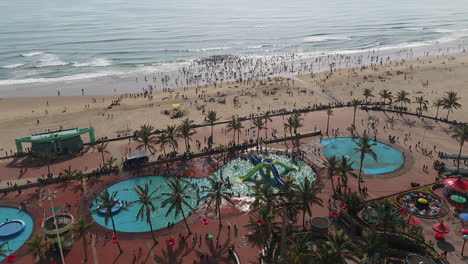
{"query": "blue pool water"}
[(388, 158), (17, 241), (125, 220)]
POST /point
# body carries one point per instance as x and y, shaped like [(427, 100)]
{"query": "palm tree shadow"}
[(171, 255), (117, 258), (409, 123), (218, 254), (428, 125)]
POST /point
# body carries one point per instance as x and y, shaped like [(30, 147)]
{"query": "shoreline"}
[(212, 72)]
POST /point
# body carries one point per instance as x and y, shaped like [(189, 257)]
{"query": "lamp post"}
[(50, 196), (465, 238)]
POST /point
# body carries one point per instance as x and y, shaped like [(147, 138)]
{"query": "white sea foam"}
[(415, 28), (12, 66), (209, 49), (444, 30), (93, 63), (324, 38), (47, 60), (60, 79), (31, 54)]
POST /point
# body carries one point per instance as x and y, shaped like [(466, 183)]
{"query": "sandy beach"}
[(23, 116)]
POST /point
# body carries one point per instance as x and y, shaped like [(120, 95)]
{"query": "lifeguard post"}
[(59, 141)]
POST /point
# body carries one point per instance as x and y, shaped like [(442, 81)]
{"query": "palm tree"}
[(216, 193), (460, 134), (388, 216), (331, 165), (266, 229), (235, 125), (187, 130), (266, 119), (372, 244), (422, 103), (364, 147), (264, 196), (36, 246), (296, 123), (451, 102), (355, 203), (146, 198), (110, 162), (307, 195), (172, 135), (288, 126), (162, 140), (107, 201), (329, 113), (3, 252), (355, 103), (299, 252), (258, 124), (402, 97), (80, 230), (438, 103), (176, 199), (102, 148), (211, 118), (68, 172), (46, 157), (145, 136), (345, 168), (386, 94), (340, 246), (367, 93)]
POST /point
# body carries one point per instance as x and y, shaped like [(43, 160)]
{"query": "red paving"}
[(101, 251)]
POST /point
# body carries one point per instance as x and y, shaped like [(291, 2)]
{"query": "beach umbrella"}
[(412, 220), (115, 239), (171, 242), (205, 221), (441, 228), (260, 222), (464, 217), (464, 231), (439, 236), (335, 214), (422, 200), (458, 198), (11, 259), (402, 211), (456, 183), (459, 207)]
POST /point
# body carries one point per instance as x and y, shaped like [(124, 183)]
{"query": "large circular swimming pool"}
[(16, 241), (388, 158), (125, 220)]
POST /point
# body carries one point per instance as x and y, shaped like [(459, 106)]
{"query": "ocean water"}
[(54, 40)]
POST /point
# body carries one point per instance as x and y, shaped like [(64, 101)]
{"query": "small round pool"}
[(17, 238), (388, 158)]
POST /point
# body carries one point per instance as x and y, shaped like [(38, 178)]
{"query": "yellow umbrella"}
[(422, 200)]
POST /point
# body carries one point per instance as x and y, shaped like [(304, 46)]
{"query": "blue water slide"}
[(275, 173), (254, 160)]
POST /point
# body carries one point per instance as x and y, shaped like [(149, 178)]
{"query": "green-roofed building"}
[(60, 141)]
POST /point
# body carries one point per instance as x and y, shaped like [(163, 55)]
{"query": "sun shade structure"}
[(59, 141), (456, 183), (441, 228), (411, 220), (458, 198)]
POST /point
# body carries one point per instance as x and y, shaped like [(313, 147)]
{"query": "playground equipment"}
[(11, 228), (266, 167), (116, 208)]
